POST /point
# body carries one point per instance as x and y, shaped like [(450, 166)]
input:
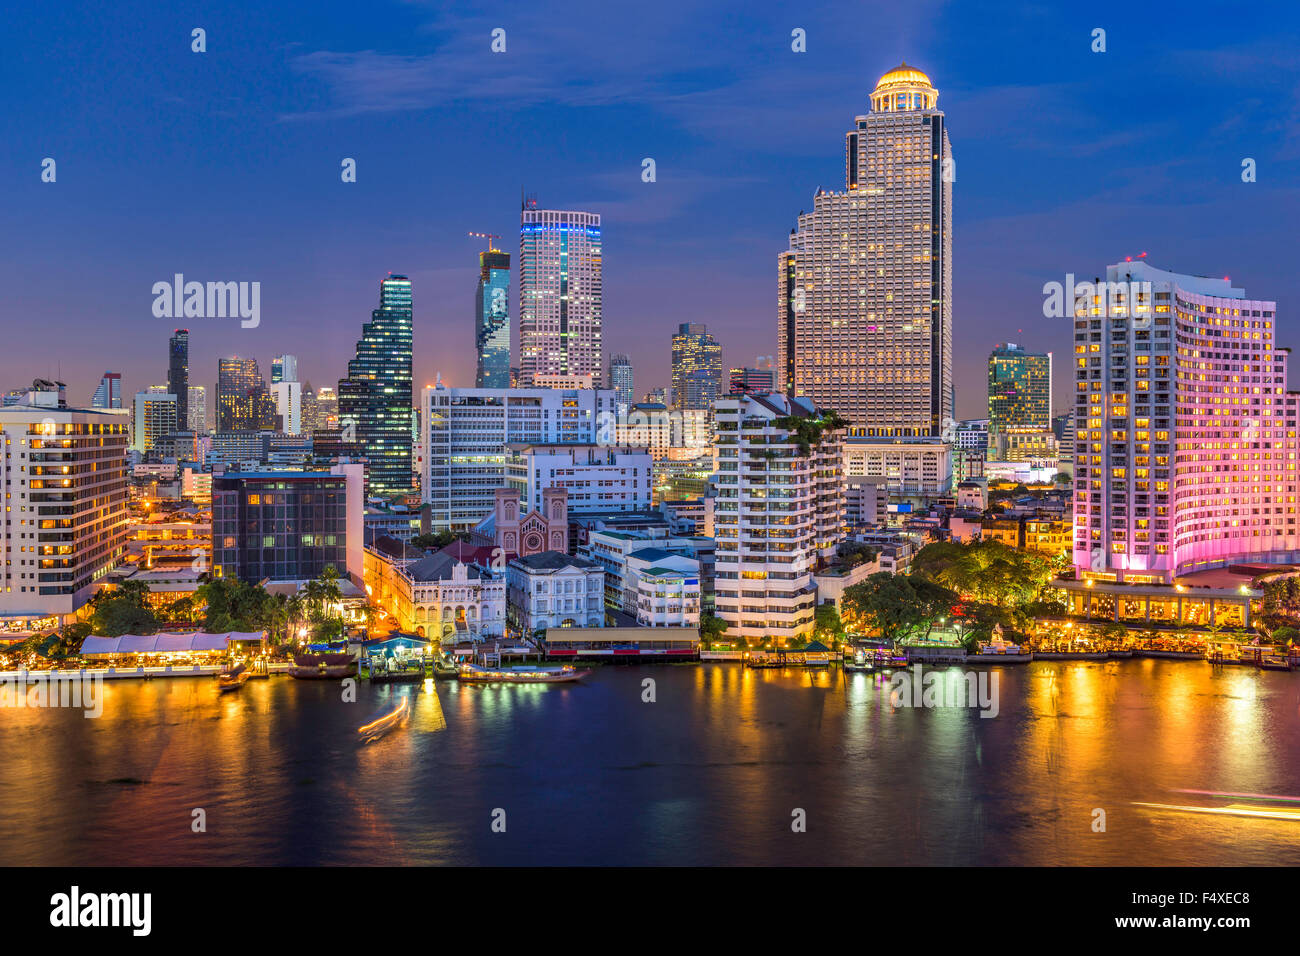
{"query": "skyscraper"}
[(1020, 403), (109, 392), (620, 380), (284, 368), (178, 374), (697, 367), (375, 409), (243, 401), (197, 409), (559, 298), (865, 318), (492, 320), (1185, 433), (154, 418)]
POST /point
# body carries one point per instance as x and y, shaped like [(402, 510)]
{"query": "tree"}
[(436, 539), (712, 628), (827, 625), (893, 605), (122, 610)]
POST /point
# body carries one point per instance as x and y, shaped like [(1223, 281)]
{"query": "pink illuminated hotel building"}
[(1185, 456)]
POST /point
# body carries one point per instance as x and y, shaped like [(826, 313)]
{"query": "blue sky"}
[(225, 165)]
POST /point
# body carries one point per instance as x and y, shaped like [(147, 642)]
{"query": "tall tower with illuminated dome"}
[(865, 289)]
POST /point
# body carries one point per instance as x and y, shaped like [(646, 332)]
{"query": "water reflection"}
[(708, 773)]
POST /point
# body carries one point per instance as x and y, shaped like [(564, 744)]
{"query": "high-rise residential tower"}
[(178, 374), (492, 320), (620, 380), (243, 401), (1185, 434), (560, 313), (778, 514), (375, 398), (865, 290), (1020, 403), (697, 367), (109, 392)]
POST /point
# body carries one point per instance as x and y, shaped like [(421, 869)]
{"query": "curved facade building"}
[(1186, 435)]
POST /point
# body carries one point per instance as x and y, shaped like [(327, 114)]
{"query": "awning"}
[(165, 643)]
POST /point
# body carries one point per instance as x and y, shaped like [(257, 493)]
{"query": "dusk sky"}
[(225, 165)]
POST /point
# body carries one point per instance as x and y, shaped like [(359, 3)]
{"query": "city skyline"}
[(1016, 183)]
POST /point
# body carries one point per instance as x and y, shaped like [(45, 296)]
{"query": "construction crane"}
[(489, 236)]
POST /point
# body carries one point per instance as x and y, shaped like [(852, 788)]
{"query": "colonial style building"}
[(554, 590), (435, 595)]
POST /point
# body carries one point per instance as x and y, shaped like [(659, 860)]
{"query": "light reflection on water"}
[(708, 773)]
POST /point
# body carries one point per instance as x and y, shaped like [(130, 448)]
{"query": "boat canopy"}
[(165, 643)]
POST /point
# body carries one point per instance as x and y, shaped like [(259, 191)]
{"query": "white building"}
[(667, 592), (466, 432), (778, 513), (196, 409), (912, 467), (553, 590), (866, 500), (597, 477), (64, 524), (288, 405)]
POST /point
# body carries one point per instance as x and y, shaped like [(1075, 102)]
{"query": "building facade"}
[(467, 431), (696, 367), (287, 525), (865, 290), (911, 467), (620, 380), (492, 320), (560, 297), (777, 515), (109, 392), (597, 478), (243, 401), (375, 409), (178, 374), (1185, 444), (553, 590), (155, 418), (64, 525)]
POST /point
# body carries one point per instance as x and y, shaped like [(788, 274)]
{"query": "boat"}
[(233, 679), (999, 651), (1273, 662), (445, 671), (323, 666), (474, 674), (859, 663), (385, 722)]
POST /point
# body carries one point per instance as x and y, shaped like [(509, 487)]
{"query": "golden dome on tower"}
[(904, 88), (904, 74)]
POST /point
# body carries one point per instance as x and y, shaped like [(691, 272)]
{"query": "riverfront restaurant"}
[(1158, 605), (194, 648)]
